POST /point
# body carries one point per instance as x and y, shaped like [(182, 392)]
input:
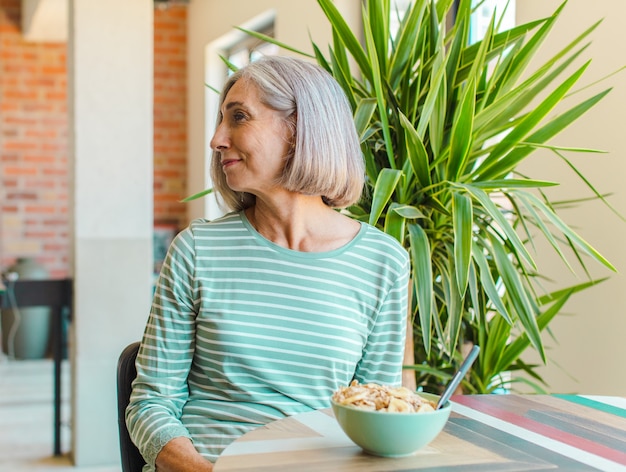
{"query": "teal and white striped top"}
[(243, 332)]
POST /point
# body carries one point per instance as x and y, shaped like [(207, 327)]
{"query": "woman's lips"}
[(229, 162)]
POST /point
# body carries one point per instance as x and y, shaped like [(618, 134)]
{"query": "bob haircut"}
[(325, 157)]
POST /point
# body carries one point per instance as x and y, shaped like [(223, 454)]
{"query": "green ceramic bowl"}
[(391, 434)]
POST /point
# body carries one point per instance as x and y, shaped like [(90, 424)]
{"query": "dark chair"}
[(132, 461)]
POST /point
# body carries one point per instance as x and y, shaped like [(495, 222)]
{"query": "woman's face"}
[(252, 139)]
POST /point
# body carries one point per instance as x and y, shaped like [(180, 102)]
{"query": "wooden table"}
[(484, 433)]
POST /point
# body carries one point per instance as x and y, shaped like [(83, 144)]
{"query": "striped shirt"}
[(243, 332)]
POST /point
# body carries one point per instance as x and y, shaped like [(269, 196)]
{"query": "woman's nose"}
[(219, 142)]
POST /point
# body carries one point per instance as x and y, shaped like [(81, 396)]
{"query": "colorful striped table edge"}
[(589, 430)]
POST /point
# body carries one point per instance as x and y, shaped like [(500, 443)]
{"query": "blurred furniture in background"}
[(57, 295)]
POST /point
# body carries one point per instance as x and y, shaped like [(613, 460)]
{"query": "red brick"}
[(21, 196), (21, 95), (19, 171), (56, 96), (40, 209), (54, 172), (39, 234)]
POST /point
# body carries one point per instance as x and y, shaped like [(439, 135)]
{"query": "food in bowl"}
[(382, 398), (369, 416)]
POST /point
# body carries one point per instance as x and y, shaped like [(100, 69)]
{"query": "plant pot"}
[(25, 331)]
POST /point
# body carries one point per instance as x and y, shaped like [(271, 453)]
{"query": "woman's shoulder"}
[(199, 229), (229, 221), (375, 234), (381, 241)]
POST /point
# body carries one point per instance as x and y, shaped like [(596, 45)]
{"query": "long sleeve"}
[(384, 350), (164, 359)]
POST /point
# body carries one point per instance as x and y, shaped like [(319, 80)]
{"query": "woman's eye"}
[(238, 116)]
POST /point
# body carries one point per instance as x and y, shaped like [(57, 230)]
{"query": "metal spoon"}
[(456, 380)]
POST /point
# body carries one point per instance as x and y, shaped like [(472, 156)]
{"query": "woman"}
[(266, 311)]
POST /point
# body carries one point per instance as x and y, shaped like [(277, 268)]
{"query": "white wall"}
[(209, 20), (110, 82), (589, 352)]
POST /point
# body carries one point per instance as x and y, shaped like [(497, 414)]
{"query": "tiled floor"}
[(26, 414)]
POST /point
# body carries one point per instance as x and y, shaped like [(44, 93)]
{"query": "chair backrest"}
[(132, 461)]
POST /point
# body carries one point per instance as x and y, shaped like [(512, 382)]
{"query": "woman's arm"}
[(383, 353), (160, 390), (179, 455)]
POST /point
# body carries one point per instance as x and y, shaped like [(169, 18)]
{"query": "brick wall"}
[(170, 115), (33, 142), (34, 169)]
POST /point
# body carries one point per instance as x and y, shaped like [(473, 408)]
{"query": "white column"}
[(110, 58)]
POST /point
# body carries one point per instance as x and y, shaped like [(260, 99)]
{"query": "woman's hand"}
[(179, 455)]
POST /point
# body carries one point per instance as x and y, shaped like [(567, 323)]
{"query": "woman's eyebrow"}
[(229, 105)]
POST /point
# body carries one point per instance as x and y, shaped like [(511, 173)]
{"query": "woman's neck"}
[(303, 223)]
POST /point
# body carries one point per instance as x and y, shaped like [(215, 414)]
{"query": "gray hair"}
[(326, 157)]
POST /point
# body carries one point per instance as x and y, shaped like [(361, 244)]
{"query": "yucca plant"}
[(445, 125)]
